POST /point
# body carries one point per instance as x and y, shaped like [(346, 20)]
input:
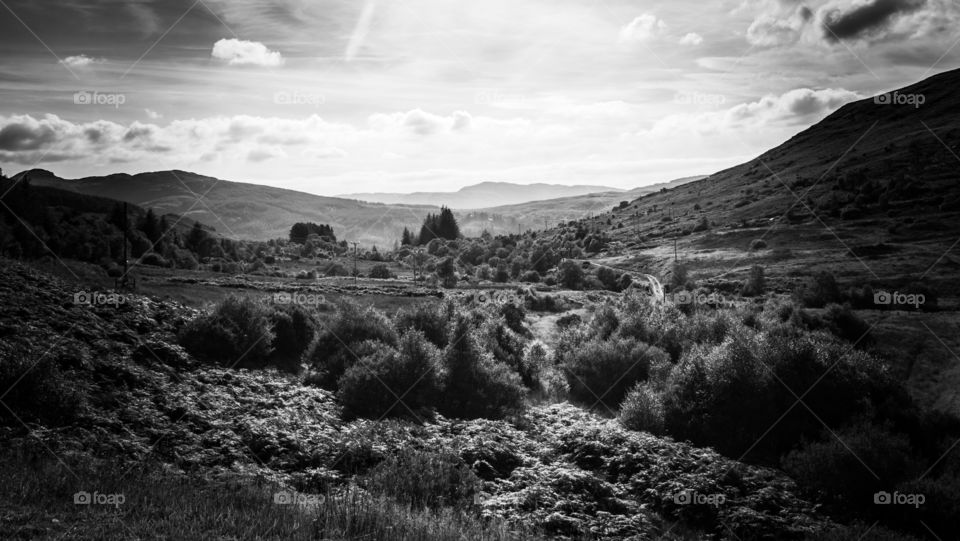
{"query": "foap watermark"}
[(707, 299), (690, 497), (896, 98), (297, 97), (699, 98), (83, 97), (886, 498), (86, 498), (302, 299), (96, 298), (490, 297), (292, 497), (496, 96), (885, 298)]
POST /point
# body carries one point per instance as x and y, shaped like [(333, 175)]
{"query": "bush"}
[(380, 272), (530, 277), (571, 275), (841, 468), (294, 328), (336, 269), (430, 319), (476, 385), (154, 260), (331, 352), (34, 387), (757, 244), (755, 283), (642, 409), (393, 383), (819, 291), (237, 332), (602, 371)]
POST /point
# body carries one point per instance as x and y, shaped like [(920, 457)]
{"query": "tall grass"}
[(38, 491)]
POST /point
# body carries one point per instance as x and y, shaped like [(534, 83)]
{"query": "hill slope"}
[(870, 192)]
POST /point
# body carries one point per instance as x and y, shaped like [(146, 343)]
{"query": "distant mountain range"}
[(483, 195), (256, 212)]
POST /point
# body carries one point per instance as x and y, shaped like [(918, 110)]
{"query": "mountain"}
[(870, 193), (244, 211), (534, 214), (483, 195)]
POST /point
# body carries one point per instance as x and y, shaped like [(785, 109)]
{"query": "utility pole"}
[(675, 249), (355, 250)]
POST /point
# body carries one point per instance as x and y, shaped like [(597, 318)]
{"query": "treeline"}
[(301, 231), (435, 226), (40, 221)]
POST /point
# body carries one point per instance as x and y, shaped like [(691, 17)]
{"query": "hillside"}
[(483, 195), (536, 214), (870, 193), (244, 211), (116, 389)]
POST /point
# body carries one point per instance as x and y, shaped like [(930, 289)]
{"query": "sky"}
[(348, 96)]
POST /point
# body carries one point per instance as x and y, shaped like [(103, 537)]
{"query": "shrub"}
[(331, 352), (642, 409), (602, 371), (530, 277), (846, 324), (430, 319), (819, 290), (757, 244), (294, 328), (476, 385), (842, 468), (380, 272), (36, 389), (237, 332), (154, 260), (336, 269), (678, 276), (393, 383), (571, 275), (755, 283), (423, 479)]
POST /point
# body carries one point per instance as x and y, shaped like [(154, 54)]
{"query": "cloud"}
[(420, 122), (643, 28), (81, 61), (781, 26), (692, 39), (152, 115), (246, 53), (865, 19)]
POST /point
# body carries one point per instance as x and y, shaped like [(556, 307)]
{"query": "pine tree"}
[(407, 238)]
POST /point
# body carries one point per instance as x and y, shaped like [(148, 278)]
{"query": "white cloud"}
[(152, 115), (643, 28), (692, 39), (246, 53), (81, 61)]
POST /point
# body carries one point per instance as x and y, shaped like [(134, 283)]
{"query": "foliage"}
[(476, 385), (332, 352), (642, 409), (442, 226), (237, 332), (601, 371), (393, 383), (302, 230)]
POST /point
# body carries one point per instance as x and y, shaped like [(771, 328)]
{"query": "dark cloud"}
[(866, 18), (19, 137)]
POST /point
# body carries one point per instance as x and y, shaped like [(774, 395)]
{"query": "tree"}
[(196, 238), (447, 272), (443, 226), (151, 226), (407, 238), (571, 275), (302, 230)]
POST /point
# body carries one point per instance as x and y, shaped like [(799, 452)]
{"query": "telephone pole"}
[(355, 272)]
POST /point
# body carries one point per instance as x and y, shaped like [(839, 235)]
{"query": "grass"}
[(38, 491)]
